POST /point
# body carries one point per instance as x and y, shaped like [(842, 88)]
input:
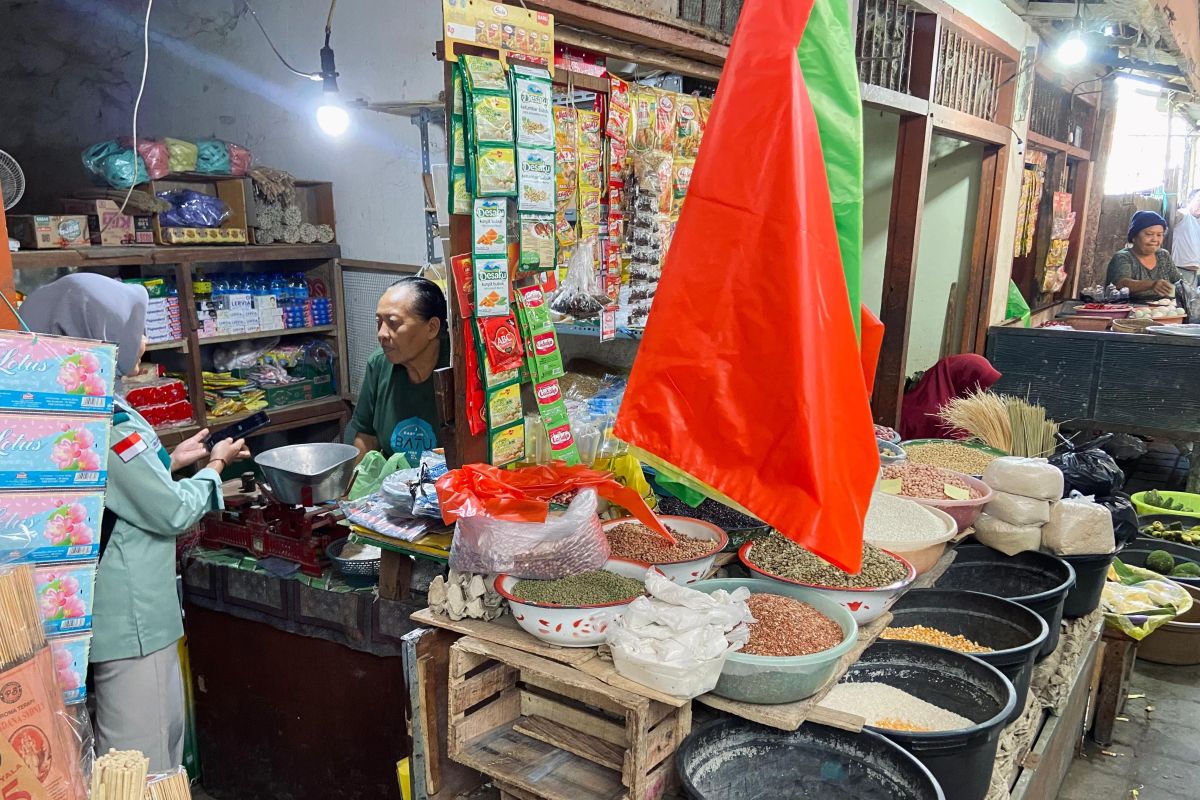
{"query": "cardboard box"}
[(47, 451), (42, 232), (285, 394), (237, 193), (39, 372), (108, 226)]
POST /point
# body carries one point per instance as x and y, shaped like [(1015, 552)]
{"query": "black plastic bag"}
[(1187, 297), (1126, 526), (1089, 470)]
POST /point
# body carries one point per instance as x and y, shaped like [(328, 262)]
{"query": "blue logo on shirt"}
[(412, 437)]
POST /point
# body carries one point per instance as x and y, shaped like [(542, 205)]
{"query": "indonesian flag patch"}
[(130, 447)]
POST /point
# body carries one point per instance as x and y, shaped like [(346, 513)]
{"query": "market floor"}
[(1153, 752)]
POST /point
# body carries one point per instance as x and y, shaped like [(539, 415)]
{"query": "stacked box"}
[(163, 320)]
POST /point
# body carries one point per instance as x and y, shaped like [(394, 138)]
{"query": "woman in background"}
[(1144, 267), (953, 376), (137, 620)]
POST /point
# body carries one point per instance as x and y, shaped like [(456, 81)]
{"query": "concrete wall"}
[(880, 131), (70, 68)]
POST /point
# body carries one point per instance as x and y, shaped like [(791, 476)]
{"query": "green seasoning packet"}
[(458, 142), (537, 242), (532, 96), (456, 88), (489, 228), (484, 74), (532, 311), (535, 180), (491, 119), (495, 172), (506, 445), (553, 412), (545, 359), (504, 406), (460, 192)]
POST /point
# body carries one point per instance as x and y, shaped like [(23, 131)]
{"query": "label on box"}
[(53, 373), (65, 596), (70, 665), (52, 452), (40, 527), (491, 287)]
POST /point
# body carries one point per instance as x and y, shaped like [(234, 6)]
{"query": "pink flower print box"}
[(65, 596), (70, 665), (39, 451), (54, 373), (40, 527)]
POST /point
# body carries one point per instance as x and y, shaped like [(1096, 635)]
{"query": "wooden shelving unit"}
[(181, 263)]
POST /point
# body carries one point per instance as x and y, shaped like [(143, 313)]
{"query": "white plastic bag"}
[(1027, 477), (1017, 510), (562, 545), (1008, 539), (677, 640), (1079, 526)]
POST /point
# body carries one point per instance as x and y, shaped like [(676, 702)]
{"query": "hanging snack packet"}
[(535, 180), (507, 446), (496, 172), (484, 74), (458, 142), (664, 125), (458, 104), (706, 105), (620, 113), (504, 406), (491, 117), (532, 92), (491, 286), (502, 342), (545, 358), (589, 130), (489, 227), (644, 106), (460, 191), (476, 399), (681, 177), (533, 310), (553, 412), (463, 278), (687, 126), (537, 242), (492, 378)]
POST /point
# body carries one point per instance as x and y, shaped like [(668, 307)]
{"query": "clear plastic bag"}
[(1079, 526), (1138, 602), (192, 209), (1017, 510), (564, 544), (579, 296)]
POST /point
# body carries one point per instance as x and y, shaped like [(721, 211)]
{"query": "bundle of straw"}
[(1011, 424), (174, 786), (1032, 434), (120, 775), (21, 634)]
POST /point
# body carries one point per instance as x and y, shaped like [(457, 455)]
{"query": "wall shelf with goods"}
[(191, 354)]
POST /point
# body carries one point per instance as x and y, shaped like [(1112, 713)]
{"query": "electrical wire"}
[(137, 104), (312, 76)]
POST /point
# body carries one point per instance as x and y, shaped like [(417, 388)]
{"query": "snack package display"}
[(687, 126), (535, 180), (507, 445), (41, 527), (537, 242), (53, 452), (532, 94), (56, 373)]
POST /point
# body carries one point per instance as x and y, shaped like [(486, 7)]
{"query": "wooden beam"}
[(984, 250), (1101, 146), (642, 55), (965, 126), (881, 99), (1080, 193), (959, 21), (1046, 143)]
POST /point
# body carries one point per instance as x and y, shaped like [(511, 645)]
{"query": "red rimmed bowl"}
[(964, 512), (865, 605), (569, 626), (688, 570)]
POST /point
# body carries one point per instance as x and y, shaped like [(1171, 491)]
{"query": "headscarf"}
[(1142, 220), (951, 377), (85, 305)]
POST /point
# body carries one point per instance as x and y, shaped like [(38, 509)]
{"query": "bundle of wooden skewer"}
[(21, 634), (120, 775), (174, 786)]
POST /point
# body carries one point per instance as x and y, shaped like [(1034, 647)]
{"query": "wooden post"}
[(980, 288), (8, 320), (1100, 145)]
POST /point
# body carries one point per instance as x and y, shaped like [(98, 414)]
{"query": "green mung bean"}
[(584, 589), (781, 556)]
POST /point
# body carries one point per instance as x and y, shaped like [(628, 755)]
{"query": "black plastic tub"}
[(1136, 554), (961, 760), (1014, 633), (732, 759), (1038, 581), (1090, 575)]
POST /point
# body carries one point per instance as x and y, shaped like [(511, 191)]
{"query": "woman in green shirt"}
[(1144, 267), (137, 621), (396, 411)]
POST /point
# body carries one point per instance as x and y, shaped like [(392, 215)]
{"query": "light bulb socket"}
[(329, 73)]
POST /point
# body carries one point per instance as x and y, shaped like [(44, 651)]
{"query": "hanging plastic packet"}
[(644, 104), (503, 406), (620, 113), (483, 74), (532, 93), (507, 446), (537, 242), (681, 178), (496, 172), (501, 342), (476, 398), (463, 278), (553, 412), (535, 180), (458, 142), (491, 117)]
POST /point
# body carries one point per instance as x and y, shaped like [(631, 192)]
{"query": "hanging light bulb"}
[(1072, 49), (331, 117)]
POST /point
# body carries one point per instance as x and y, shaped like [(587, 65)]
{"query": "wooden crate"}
[(550, 731)]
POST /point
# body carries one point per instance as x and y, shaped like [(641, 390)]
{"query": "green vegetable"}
[(1188, 569), (1173, 532), (1153, 498), (1161, 562)]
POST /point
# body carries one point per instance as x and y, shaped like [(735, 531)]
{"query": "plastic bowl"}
[(1188, 499), (922, 553), (995, 451), (691, 570), (569, 626), (865, 605), (890, 452), (356, 572), (965, 512), (781, 679), (1136, 554)]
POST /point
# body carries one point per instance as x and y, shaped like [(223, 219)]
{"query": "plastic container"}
[(686, 571), (866, 605), (890, 452), (995, 451), (922, 553), (357, 572), (1014, 633), (1141, 548), (732, 759), (965, 512), (1188, 499), (1038, 581), (1178, 642), (1091, 572), (960, 760), (781, 679)]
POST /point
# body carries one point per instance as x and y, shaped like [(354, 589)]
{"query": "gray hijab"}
[(85, 305)]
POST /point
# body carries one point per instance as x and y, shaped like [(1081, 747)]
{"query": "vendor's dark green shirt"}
[(1124, 264), (401, 414)]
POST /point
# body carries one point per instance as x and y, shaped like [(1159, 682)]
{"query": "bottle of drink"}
[(201, 287)]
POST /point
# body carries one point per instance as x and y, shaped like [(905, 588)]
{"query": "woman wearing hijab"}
[(1144, 266), (953, 376), (137, 620)]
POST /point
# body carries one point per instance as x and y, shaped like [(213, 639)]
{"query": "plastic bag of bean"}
[(564, 544)]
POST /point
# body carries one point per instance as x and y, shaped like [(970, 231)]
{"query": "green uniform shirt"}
[(401, 414), (137, 605)]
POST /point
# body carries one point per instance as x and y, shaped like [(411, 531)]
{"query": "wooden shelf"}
[(284, 417), (178, 344), (237, 337), (148, 255)]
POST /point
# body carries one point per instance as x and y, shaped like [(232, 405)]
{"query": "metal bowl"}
[(307, 474)]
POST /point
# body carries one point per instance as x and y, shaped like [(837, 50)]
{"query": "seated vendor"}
[(1144, 266), (396, 411), (953, 376)]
